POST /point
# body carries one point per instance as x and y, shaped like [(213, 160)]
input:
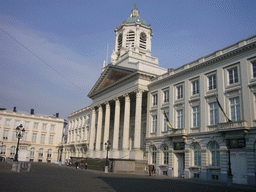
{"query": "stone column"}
[(99, 130), (107, 124), (137, 129), (126, 127), (92, 133), (116, 128)]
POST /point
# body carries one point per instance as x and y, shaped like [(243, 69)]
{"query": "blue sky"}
[(51, 51)]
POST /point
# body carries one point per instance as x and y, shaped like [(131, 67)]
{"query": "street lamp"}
[(107, 145), (19, 133)]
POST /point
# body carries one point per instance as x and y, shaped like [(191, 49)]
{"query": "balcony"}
[(232, 125)]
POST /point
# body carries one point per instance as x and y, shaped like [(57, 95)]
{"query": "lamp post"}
[(107, 145), (230, 176), (19, 133)]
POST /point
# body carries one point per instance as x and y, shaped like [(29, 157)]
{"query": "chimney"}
[(14, 109), (32, 112), (57, 115)]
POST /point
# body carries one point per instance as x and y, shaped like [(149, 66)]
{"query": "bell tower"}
[(133, 34)]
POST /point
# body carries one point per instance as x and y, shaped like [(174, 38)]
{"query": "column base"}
[(125, 154), (136, 154), (114, 154)]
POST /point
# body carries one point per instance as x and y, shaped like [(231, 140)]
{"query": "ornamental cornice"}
[(208, 60)]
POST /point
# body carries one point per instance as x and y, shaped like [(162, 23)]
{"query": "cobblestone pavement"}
[(52, 177)]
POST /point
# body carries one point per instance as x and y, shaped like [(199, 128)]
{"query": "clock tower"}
[(133, 34)]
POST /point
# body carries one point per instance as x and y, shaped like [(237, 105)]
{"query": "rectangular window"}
[(6, 133), (195, 87), (196, 116), (34, 137), (180, 92), (154, 99), (44, 126), (154, 157), (14, 136), (212, 82), (166, 96), (254, 69), (235, 109), (52, 127), (165, 122), (24, 138), (214, 119), (233, 75), (180, 119), (43, 138), (26, 124), (154, 128), (7, 122), (51, 138), (17, 123), (35, 125)]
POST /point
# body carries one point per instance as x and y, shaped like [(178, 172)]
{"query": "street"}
[(52, 177)]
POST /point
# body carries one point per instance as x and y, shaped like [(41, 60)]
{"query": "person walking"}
[(76, 163), (82, 164)]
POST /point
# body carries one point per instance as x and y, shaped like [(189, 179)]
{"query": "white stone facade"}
[(133, 95), (41, 140), (203, 129), (78, 134)]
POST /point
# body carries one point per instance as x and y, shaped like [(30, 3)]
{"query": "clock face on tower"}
[(143, 36)]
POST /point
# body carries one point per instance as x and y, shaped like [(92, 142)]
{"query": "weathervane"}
[(135, 5)]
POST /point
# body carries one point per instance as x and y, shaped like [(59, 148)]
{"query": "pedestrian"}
[(86, 165), (82, 164), (149, 170), (153, 170), (76, 163)]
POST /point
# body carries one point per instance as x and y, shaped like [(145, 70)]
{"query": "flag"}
[(167, 121), (229, 120)]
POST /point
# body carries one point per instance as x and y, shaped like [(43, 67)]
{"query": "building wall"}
[(78, 134), (238, 58), (50, 127)]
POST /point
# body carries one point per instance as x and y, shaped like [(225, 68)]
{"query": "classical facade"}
[(119, 108), (209, 104), (41, 139), (78, 134)]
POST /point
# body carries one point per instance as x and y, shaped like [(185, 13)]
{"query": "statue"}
[(113, 56)]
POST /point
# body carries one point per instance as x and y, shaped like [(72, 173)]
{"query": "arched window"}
[(215, 153), (12, 152), (130, 39), (49, 154), (41, 152), (153, 151), (120, 40), (166, 154), (197, 154), (143, 40), (3, 149), (32, 152)]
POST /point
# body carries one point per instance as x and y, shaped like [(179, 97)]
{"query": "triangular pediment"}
[(111, 75)]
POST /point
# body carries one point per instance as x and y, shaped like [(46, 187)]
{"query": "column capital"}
[(107, 104), (117, 100), (127, 97), (139, 93)]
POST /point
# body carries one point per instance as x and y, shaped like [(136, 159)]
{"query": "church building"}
[(195, 121)]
